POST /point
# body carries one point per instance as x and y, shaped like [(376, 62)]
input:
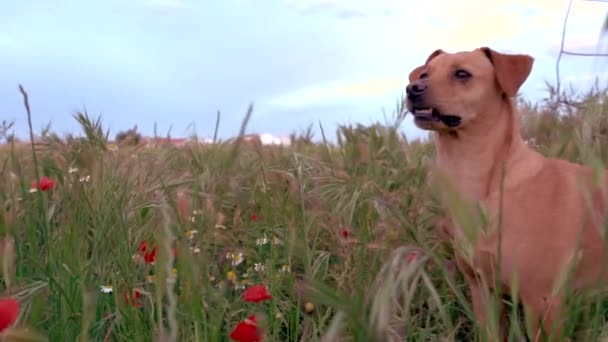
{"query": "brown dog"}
[(552, 210)]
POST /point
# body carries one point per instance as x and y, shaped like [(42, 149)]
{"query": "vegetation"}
[(129, 243)]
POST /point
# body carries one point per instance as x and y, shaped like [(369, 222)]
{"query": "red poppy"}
[(256, 294), (344, 233), (150, 257), (247, 331), (9, 311), (44, 184), (143, 246), (254, 217), (135, 302)]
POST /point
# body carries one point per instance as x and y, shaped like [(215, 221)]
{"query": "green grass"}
[(390, 278)]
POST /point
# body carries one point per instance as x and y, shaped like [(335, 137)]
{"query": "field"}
[(160, 243)]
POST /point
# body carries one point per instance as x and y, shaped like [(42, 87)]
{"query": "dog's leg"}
[(480, 296), (544, 318), (493, 328)]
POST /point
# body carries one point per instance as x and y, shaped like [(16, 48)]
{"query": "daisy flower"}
[(106, 288), (235, 258), (261, 241), (259, 267)]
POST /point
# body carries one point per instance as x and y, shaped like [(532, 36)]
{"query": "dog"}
[(543, 214)]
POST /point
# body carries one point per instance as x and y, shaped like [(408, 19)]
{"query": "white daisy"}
[(105, 288), (236, 258), (259, 267), (261, 241)]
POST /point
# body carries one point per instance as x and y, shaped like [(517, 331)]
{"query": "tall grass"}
[(343, 235)]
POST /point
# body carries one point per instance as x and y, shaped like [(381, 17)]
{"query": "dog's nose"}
[(415, 89)]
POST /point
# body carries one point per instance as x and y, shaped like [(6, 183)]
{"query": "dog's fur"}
[(548, 219)]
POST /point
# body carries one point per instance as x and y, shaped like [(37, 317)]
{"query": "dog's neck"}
[(473, 158)]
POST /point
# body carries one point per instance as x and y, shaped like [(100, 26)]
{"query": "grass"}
[(342, 235)]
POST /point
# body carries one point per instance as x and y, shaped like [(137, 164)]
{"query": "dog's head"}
[(450, 91)]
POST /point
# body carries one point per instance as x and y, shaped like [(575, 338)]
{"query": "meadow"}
[(315, 241)]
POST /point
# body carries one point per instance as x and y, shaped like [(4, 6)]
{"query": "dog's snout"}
[(415, 89)]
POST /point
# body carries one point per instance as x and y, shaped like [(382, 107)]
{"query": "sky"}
[(175, 63)]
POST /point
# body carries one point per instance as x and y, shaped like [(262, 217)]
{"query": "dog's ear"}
[(511, 70), (415, 74)]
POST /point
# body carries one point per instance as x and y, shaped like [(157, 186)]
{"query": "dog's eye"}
[(424, 75), (462, 74)]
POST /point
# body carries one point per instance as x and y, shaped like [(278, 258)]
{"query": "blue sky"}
[(176, 62)]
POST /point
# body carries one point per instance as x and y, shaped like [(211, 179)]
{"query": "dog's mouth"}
[(434, 115)]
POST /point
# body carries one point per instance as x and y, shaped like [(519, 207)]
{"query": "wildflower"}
[(261, 241), (9, 311), (285, 269), (239, 287), (309, 307), (259, 267), (44, 184), (344, 233), (254, 217), (193, 219), (231, 276), (195, 250), (150, 257), (72, 170), (191, 234), (236, 258), (105, 288), (112, 147), (143, 246), (247, 331), (135, 301), (256, 294), (85, 179)]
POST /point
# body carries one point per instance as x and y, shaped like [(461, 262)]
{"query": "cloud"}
[(336, 92), (404, 38)]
